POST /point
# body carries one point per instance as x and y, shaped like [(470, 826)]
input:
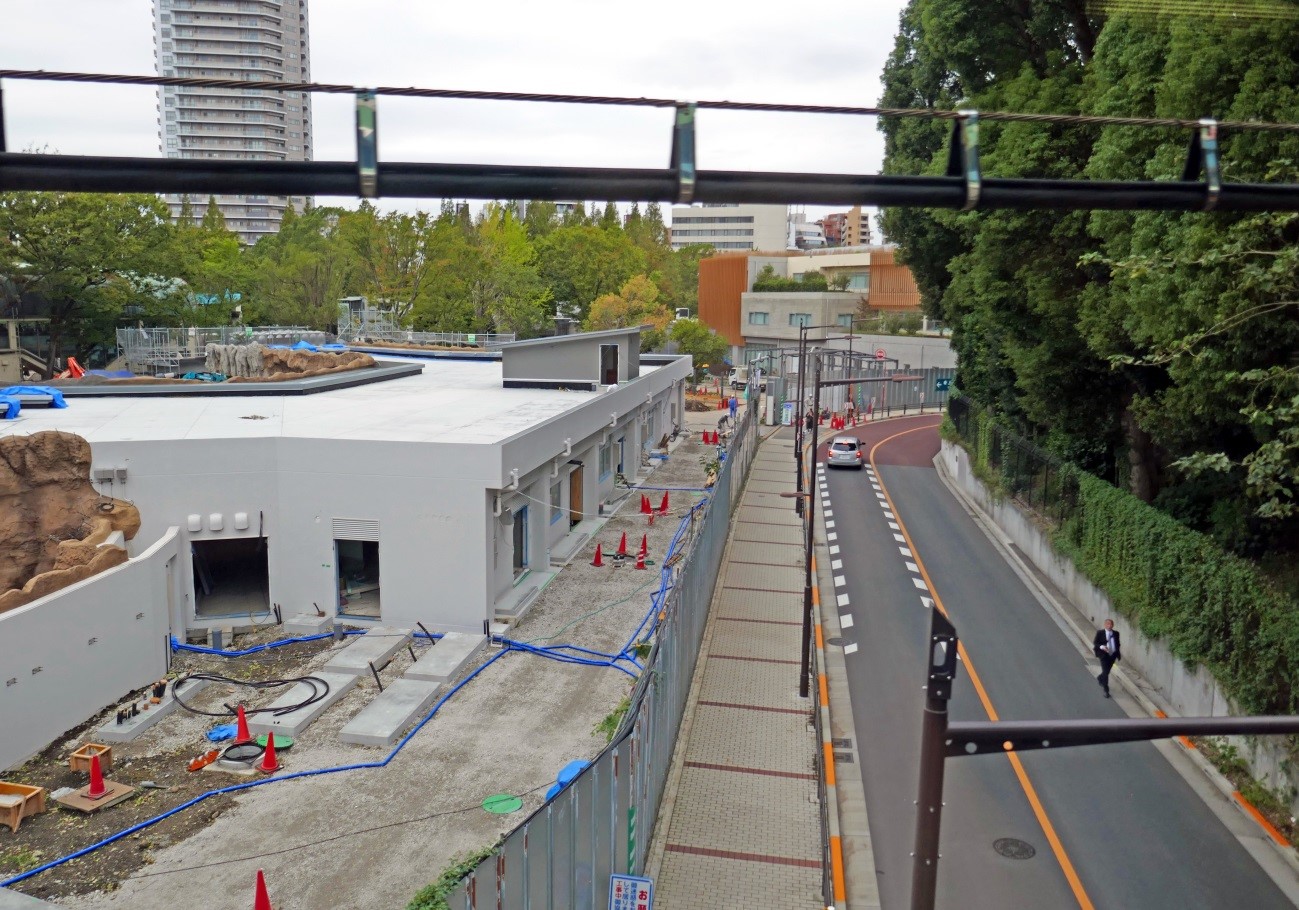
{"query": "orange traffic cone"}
[(705, 435), (262, 900), (622, 545), (651, 518), (270, 764), (599, 557), (96, 788), (241, 729), (663, 506), (645, 507), (644, 544), (640, 560)]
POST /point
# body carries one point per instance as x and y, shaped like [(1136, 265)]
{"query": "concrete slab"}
[(382, 720), (129, 729), (13, 900), (308, 624), (444, 660), (295, 722), (374, 647)]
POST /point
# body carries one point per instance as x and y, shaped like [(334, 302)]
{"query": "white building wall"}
[(61, 656), (731, 227)]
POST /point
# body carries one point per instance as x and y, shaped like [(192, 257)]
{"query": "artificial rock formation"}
[(255, 363), (52, 521)]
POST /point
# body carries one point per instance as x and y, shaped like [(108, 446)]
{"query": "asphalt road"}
[(1128, 830)]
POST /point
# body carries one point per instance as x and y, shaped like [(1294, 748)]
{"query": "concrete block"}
[(295, 722), (129, 729), (374, 647), (444, 660), (382, 720), (308, 624)]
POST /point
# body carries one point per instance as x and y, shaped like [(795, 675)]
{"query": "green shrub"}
[(434, 896)]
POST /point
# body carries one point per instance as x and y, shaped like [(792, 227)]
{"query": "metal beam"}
[(988, 737)]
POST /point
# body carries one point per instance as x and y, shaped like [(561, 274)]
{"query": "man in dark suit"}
[(1108, 649)]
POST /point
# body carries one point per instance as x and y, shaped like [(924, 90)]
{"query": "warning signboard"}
[(879, 353), (630, 892)]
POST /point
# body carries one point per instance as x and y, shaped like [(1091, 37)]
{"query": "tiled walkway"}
[(743, 827)]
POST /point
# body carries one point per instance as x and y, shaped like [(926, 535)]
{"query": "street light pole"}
[(933, 732), (805, 666), (798, 421)]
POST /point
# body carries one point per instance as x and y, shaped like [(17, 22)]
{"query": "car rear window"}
[(844, 445)]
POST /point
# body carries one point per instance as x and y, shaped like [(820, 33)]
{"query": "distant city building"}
[(856, 228), (244, 40), (731, 227), (803, 234), (832, 226)]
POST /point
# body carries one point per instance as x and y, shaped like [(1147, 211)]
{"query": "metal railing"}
[(153, 351), (600, 824)]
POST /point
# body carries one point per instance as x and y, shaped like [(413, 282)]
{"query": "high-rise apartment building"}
[(235, 39)]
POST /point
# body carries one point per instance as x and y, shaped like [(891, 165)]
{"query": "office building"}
[(234, 39), (731, 227)]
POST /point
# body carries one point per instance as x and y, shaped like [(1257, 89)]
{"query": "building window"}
[(606, 461), (800, 319), (844, 320), (758, 318), (556, 502)]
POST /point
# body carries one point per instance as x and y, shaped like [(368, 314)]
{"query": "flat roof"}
[(449, 401)]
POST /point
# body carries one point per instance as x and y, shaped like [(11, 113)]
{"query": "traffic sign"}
[(630, 892), (879, 353), (942, 383)]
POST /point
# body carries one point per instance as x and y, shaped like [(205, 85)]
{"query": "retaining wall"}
[(1191, 691)]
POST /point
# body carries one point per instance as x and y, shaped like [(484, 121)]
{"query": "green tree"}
[(703, 344), (580, 263), (637, 303), (84, 253)]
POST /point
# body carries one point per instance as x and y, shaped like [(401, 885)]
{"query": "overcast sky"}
[(757, 51)]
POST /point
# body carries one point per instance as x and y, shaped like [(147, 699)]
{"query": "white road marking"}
[(840, 581), (899, 538), (919, 583), (829, 514), (843, 600), (834, 549), (845, 620), (875, 485), (928, 602), (836, 563), (894, 526), (829, 524), (850, 648), (912, 567), (888, 514), (832, 536), (880, 497), (905, 552)]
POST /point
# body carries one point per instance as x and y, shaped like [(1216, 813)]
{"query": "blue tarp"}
[(10, 408), (304, 346), (111, 374), (56, 397), (205, 376), (333, 347)]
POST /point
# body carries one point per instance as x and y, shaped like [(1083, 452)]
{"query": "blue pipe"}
[(236, 788)]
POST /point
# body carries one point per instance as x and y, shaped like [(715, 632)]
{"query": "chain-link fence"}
[(562, 855), (1031, 475)]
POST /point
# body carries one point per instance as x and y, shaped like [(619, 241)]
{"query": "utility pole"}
[(805, 666)]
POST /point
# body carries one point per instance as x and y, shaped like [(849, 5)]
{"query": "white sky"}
[(758, 51)]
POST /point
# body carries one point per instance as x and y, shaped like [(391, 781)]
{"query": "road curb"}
[(1144, 696)]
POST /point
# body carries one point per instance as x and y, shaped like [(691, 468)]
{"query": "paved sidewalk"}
[(740, 824)]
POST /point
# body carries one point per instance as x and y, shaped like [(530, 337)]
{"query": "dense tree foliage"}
[(1154, 348), (104, 261)]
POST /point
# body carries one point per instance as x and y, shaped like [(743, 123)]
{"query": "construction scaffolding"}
[(359, 322), (159, 351)]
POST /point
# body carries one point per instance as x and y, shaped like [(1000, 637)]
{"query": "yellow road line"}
[(1066, 866)]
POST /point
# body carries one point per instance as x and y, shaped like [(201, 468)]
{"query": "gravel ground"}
[(371, 838)]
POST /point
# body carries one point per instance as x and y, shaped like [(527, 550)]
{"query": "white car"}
[(845, 452)]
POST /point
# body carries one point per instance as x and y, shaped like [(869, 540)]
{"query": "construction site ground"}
[(372, 837)]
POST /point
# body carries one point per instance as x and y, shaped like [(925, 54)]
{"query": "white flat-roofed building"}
[(731, 227), (439, 497)]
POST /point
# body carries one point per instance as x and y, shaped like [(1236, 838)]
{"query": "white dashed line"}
[(829, 514), (843, 600), (829, 524), (832, 536), (875, 485), (836, 563), (845, 620), (919, 583), (840, 581), (880, 497), (835, 549), (905, 552), (899, 538), (912, 567), (928, 602), (850, 648), (894, 526), (888, 514)]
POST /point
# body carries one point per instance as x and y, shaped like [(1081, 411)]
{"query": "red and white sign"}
[(879, 353)]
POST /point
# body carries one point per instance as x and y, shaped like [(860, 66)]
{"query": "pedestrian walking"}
[(809, 420), (735, 407), (1109, 649), (850, 416)]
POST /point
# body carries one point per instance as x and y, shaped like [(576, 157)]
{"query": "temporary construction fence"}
[(600, 824)]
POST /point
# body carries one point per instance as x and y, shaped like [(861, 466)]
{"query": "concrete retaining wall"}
[(65, 657), (1191, 691)]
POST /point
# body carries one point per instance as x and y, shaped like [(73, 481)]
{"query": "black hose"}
[(319, 689)]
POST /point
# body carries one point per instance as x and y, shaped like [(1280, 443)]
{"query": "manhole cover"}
[(1014, 848), (502, 804), (836, 641)]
